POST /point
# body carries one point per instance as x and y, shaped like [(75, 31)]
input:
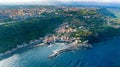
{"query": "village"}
[(61, 35)]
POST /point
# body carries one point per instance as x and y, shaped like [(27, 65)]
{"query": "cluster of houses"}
[(62, 34)]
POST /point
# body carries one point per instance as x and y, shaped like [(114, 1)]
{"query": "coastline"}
[(55, 52), (31, 43)]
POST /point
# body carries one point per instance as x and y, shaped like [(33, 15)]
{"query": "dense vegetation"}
[(106, 12), (24, 31), (92, 24)]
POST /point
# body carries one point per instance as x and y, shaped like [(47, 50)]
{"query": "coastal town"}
[(61, 35)]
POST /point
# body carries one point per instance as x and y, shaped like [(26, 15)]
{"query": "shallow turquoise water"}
[(103, 54)]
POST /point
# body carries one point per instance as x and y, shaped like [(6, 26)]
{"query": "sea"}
[(103, 54)]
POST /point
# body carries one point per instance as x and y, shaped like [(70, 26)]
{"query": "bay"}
[(103, 54)]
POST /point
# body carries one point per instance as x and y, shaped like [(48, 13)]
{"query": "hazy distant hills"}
[(72, 3), (89, 4), (77, 3)]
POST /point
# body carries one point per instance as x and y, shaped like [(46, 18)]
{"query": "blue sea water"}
[(103, 54)]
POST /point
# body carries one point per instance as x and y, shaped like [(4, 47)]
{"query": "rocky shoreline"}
[(35, 43), (70, 47), (31, 43)]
